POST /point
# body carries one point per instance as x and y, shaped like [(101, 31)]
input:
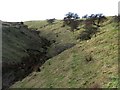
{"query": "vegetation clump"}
[(50, 21), (71, 20), (91, 25)]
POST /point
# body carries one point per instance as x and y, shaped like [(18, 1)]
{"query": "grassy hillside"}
[(18, 44), (61, 37), (89, 63)]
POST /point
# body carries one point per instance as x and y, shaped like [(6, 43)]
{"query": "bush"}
[(71, 20), (50, 21), (84, 36), (96, 19), (74, 24), (87, 34)]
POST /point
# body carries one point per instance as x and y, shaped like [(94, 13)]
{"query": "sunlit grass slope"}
[(89, 64)]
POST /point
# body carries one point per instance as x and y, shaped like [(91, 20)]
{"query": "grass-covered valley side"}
[(41, 54), (23, 51)]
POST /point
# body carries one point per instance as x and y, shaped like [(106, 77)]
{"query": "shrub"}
[(85, 16), (87, 34), (50, 21), (74, 24), (96, 19), (71, 20), (84, 36)]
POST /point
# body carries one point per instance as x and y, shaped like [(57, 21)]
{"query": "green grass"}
[(70, 69), (15, 43), (61, 35)]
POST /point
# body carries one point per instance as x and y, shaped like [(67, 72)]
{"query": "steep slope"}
[(90, 63), (62, 38), (22, 50)]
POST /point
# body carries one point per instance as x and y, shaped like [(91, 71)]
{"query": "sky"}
[(25, 10)]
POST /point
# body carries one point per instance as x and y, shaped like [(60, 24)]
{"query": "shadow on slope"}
[(23, 52)]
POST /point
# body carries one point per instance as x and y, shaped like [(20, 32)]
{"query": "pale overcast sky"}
[(25, 10)]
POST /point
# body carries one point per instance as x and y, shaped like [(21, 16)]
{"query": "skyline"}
[(26, 10)]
